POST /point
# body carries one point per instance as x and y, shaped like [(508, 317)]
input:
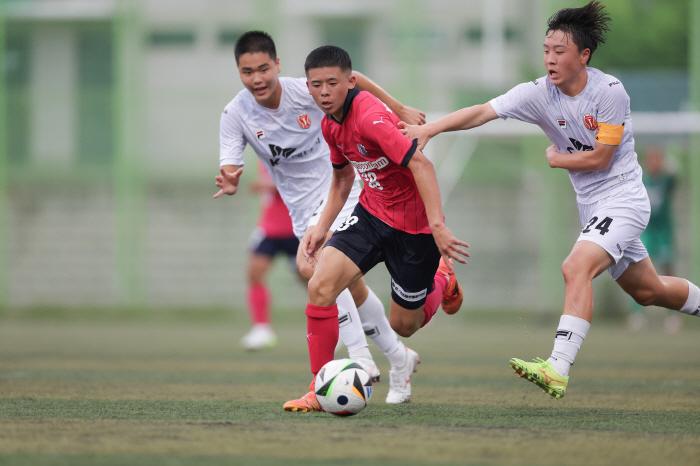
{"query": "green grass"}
[(256, 413), (181, 392), (29, 459)]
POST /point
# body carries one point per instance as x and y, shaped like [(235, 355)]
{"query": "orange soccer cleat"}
[(306, 404), (452, 297)]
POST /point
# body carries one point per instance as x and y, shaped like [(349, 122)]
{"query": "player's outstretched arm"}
[(410, 115), (427, 183), (227, 180), (597, 159), (341, 185), (466, 118)]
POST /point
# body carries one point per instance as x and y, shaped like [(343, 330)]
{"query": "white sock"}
[(376, 325), (360, 353), (350, 326), (397, 358), (692, 305), (570, 334)]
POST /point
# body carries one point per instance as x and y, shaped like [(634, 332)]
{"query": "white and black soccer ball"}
[(343, 387)]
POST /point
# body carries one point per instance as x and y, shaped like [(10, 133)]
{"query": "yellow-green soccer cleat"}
[(542, 374)]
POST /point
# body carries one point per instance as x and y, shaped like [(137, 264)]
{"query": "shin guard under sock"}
[(321, 334)]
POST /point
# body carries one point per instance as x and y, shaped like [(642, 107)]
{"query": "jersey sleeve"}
[(612, 108), (380, 130), (231, 139), (519, 103)]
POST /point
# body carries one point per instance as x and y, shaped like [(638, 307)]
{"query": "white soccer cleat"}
[(370, 367), (260, 337), (400, 379)]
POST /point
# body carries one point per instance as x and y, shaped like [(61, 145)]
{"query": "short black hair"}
[(255, 41), (328, 56), (587, 27)]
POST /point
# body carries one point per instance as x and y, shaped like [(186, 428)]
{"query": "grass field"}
[(157, 391)]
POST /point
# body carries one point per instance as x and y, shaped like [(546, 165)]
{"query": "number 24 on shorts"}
[(603, 226)]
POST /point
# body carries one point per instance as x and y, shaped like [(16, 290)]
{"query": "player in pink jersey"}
[(278, 118), (398, 219), (273, 234)]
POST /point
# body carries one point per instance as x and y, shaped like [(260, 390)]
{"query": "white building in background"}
[(114, 109), (435, 55), (112, 121)]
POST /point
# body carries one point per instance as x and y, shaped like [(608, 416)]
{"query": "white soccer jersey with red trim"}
[(601, 110), (288, 141)]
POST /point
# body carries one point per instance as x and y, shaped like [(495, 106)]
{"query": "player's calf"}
[(644, 297), (647, 288)]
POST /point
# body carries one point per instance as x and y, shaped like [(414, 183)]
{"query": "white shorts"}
[(305, 218), (615, 224)]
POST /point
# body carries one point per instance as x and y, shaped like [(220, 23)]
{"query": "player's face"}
[(329, 87), (565, 64), (259, 75)]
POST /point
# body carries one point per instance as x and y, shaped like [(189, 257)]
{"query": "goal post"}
[(130, 184)]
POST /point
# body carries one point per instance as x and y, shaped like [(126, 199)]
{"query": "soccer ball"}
[(343, 387)]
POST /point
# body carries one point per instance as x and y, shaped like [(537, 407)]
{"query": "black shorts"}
[(411, 259), (260, 244)]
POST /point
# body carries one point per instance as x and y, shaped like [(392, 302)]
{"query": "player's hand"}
[(449, 246), (227, 182), (551, 154), (311, 244), (415, 132), (411, 116)]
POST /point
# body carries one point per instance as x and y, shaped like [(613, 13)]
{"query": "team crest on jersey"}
[(304, 121), (590, 122), (260, 134), (562, 123), (362, 150)]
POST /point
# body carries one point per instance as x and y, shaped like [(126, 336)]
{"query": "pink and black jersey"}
[(368, 137)]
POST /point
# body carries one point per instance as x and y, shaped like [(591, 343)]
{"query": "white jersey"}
[(600, 112), (287, 140)]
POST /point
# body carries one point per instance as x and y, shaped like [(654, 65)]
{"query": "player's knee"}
[(404, 330), (305, 269), (567, 270), (572, 271), (255, 280), (321, 291), (256, 275), (402, 326)]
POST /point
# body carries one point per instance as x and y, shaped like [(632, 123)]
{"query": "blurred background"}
[(109, 124)]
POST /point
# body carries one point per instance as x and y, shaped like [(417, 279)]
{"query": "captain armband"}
[(609, 134)]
